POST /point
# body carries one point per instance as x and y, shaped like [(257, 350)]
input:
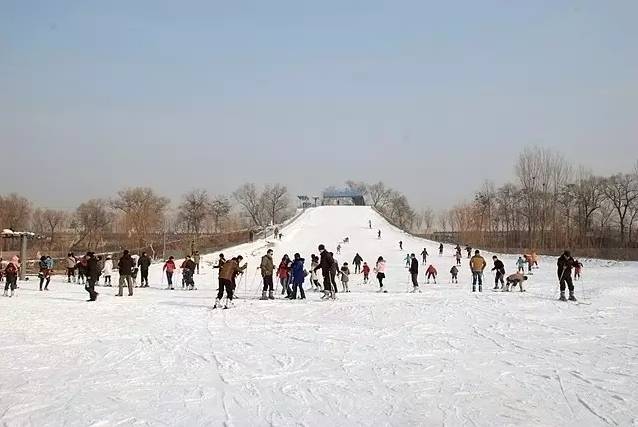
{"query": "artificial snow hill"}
[(442, 357)]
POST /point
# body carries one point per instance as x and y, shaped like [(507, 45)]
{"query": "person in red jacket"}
[(283, 273), (431, 273), (169, 268), (366, 272)]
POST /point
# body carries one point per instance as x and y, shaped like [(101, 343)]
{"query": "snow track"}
[(444, 357)]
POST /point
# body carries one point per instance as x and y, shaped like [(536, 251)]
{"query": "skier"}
[(276, 233), (458, 258), (11, 276), (220, 262), (366, 273), (520, 265), (298, 277), (81, 268), (70, 266), (267, 267), (565, 264), (283, 273), (196, 259), (333, 273), (400, 245), (499, 267), (107, 270), (144, 263), (468, 249), (530, 262), (379, 234), (424, 255), (414, 273), (188, 270), (454, 271), (457, 248), (578, 266), (477, 265), (325, 264), (313, 274), (338, 249), (370, 224), (92, 275), (345, 277), (431, 273), (357, 263), (169, 268), (45, 273), (135, 268), (125, 267), (513, 280), (379, 269), (229, 270), (408, 260), (280, 236), (440, 249)]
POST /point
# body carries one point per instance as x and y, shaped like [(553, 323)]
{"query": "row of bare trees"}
[(270, 205), (553, 205)]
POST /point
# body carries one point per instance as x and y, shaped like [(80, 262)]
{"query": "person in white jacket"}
[(107, 270)]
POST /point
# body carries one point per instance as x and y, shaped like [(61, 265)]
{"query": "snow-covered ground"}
[(445, 356)]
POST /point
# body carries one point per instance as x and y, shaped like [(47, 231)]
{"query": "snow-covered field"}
[(443, 357)]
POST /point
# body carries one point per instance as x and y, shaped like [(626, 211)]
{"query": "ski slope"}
[(442, 357)]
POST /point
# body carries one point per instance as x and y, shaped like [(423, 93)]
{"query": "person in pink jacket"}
[(380, 270)]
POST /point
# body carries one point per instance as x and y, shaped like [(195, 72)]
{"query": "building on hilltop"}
[(347, 197)]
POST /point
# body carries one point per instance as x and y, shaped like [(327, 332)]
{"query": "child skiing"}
[(499, 267), (366, 273), (431, 273), (313, 274), (424, 256), (298, 277), (577, 268), (454, 271), (11, 277), (380, 270), (338, 249), (345, 277), (400, 245), (458, 258), (408, 260), (169, 268), (45, 273), (520, 265), (107, 270)]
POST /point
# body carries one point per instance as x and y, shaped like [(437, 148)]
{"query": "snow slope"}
[(445, 356)]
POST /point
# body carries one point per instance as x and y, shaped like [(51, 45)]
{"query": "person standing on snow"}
[(44, 273), (107, 270), (379, 234), (370, 224), (440, 249), (366, 273), (313, 274), (357, 263), (424, 255), (345, 277), (196, 259), (81, 267), (188, 271), (298, 273), (71, 262), (520, 265), (414, 273), (431, 273), (144, 263), (230, 269), (135, 269), (125, 267), (169, 268), (400, 245), (267, 268), (458, 258), (477, 265), (283, 273), (11, 276), (499, 267), (565, 264), (468, 249), (408, 260), (325, 264), (455, 274), (380, 270), (92, 275), (578, 266), (338, 249)]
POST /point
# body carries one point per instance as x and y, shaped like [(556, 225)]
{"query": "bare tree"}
[(442, 218), (143, 211), (276, 200), (220, 208), (15, 212), (622, 191), (251, 201), (428, 219), (90, 221), (379, 195), (357, 187), (194, 209)]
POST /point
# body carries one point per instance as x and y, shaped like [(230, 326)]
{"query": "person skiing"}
[(424, 255), (520, 265), (276, 233), (92, 275), (338, 249), (565, 264), (188, 271), (513, 280), (267, 267), (380, 270), (458, 258), (298, 273), (370, 224), (144, 263), (400, 245), (125, 267), (283, 273), (457, 248), (414, 273), (333, 273), (440, 249), (313, 274), (81, 268), (530, 262), (325, 264), (70, 267), (408, 260), (107, 270), (379, 234), (477, 265), (220, 262), (454, 271), (11, 276), (468, 249), (229, 270), (169, 268), (366, 273), (196, 259), (345, 277), (578, 266), (499, 267), (431, 273), (135, 269), (45, 273), (357, 263)]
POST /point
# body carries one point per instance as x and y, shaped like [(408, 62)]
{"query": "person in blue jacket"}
[(298, 277)]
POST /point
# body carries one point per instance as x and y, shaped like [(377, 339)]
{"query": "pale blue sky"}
[(431, 97)]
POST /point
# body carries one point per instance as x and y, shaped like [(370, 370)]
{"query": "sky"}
[(431, 97)]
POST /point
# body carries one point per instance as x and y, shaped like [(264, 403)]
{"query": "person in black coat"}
[(565, 264), (144, 263), (499, 267), (414, 271), (357, 263), (92, 275), (325, 265), (125, 268)]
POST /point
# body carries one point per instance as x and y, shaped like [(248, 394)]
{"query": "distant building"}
[(342, 198)]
